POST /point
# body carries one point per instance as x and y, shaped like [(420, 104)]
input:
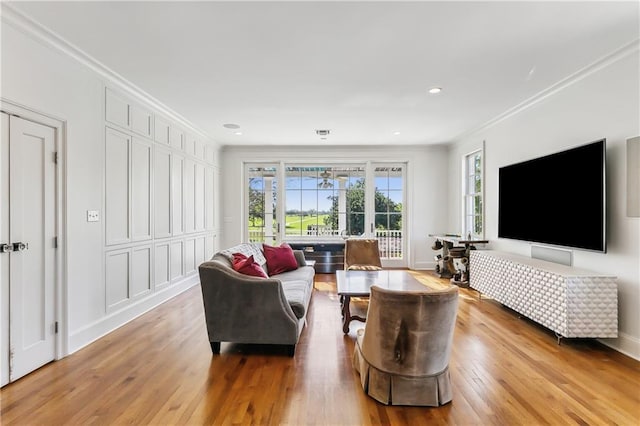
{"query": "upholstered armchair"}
[(403, 353), (362, 255)]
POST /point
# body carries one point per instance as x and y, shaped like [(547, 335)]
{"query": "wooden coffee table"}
[(358, 284)]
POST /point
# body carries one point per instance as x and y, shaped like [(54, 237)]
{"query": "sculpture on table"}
[(453, 262), (462, 270)]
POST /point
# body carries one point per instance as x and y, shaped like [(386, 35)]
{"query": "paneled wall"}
[(158, 203), (135, 255)]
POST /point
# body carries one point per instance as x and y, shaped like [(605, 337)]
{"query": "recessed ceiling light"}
[(239, 133), (435, 90), (231, 126), (396, 133)]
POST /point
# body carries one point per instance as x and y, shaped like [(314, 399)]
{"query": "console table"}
[(328, 256), (571, 302)]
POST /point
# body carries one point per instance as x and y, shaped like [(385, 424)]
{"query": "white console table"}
[(570, 301)]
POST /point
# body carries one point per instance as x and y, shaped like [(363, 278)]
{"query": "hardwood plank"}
[(159, 369)]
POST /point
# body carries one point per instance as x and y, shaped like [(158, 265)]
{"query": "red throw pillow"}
[(248, 266), (279, 259)]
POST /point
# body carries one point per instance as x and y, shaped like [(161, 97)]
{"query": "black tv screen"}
[(558, 199)]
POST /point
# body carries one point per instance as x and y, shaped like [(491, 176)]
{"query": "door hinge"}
[(55, 242), (55, 327), (55, 157)]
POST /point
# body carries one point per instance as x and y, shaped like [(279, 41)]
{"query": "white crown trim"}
[(31, 27), (592, 68)]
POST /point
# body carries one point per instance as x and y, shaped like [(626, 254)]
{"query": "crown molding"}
[(615, 56), (23, 23)]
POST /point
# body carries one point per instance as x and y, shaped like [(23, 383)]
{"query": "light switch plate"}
[(93, 216)]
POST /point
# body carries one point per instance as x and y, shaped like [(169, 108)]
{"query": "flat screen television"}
[(558, 199)]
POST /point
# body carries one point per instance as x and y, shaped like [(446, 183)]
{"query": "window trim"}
[(369, 213), (466, 196), (331, 165)]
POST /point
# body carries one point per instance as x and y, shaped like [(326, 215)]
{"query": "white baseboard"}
[(92, 332), (625, 344)]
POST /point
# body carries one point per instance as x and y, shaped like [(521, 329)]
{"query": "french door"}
[(312, 201), (261, 201), (389, 215), (27, 246)]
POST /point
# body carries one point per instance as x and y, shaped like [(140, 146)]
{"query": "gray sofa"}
[(244, 309)]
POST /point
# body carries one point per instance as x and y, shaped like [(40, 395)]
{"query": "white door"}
[(30, 236), (388, 208), (262, 204)]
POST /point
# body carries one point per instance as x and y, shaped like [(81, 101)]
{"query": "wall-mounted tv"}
[(558, 199)]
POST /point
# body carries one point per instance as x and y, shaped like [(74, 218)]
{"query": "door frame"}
[(245, 199), (60, 281), (371, 167)]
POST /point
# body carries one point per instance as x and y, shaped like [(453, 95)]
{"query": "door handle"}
[(6, 248), (20, 246)]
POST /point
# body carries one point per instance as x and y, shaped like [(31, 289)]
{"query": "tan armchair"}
[(403, 353), (362, 255)]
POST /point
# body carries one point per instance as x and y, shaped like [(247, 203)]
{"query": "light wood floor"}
[(159, 369)]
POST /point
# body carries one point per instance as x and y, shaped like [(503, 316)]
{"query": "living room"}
[(578, 86)]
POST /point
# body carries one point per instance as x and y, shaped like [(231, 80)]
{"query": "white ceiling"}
[(281, 70)]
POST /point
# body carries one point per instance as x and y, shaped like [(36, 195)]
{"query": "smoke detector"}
[(323, 132)]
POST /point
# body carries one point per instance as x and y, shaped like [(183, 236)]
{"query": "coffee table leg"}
[(346, 314)]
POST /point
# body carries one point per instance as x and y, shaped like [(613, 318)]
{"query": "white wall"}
[(603, 103), (43, 78), (426, 197)]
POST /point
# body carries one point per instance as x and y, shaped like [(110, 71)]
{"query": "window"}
[(473, 222), (298, 201), (324, 200)]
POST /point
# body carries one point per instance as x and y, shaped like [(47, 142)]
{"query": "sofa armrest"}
[(245, 309), (299, 254)]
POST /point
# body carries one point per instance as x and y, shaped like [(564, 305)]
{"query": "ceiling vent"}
[(323, 132)]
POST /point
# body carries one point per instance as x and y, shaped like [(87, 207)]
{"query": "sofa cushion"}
[(297, 294), (303, 273), (279, 259), (248, 266)]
